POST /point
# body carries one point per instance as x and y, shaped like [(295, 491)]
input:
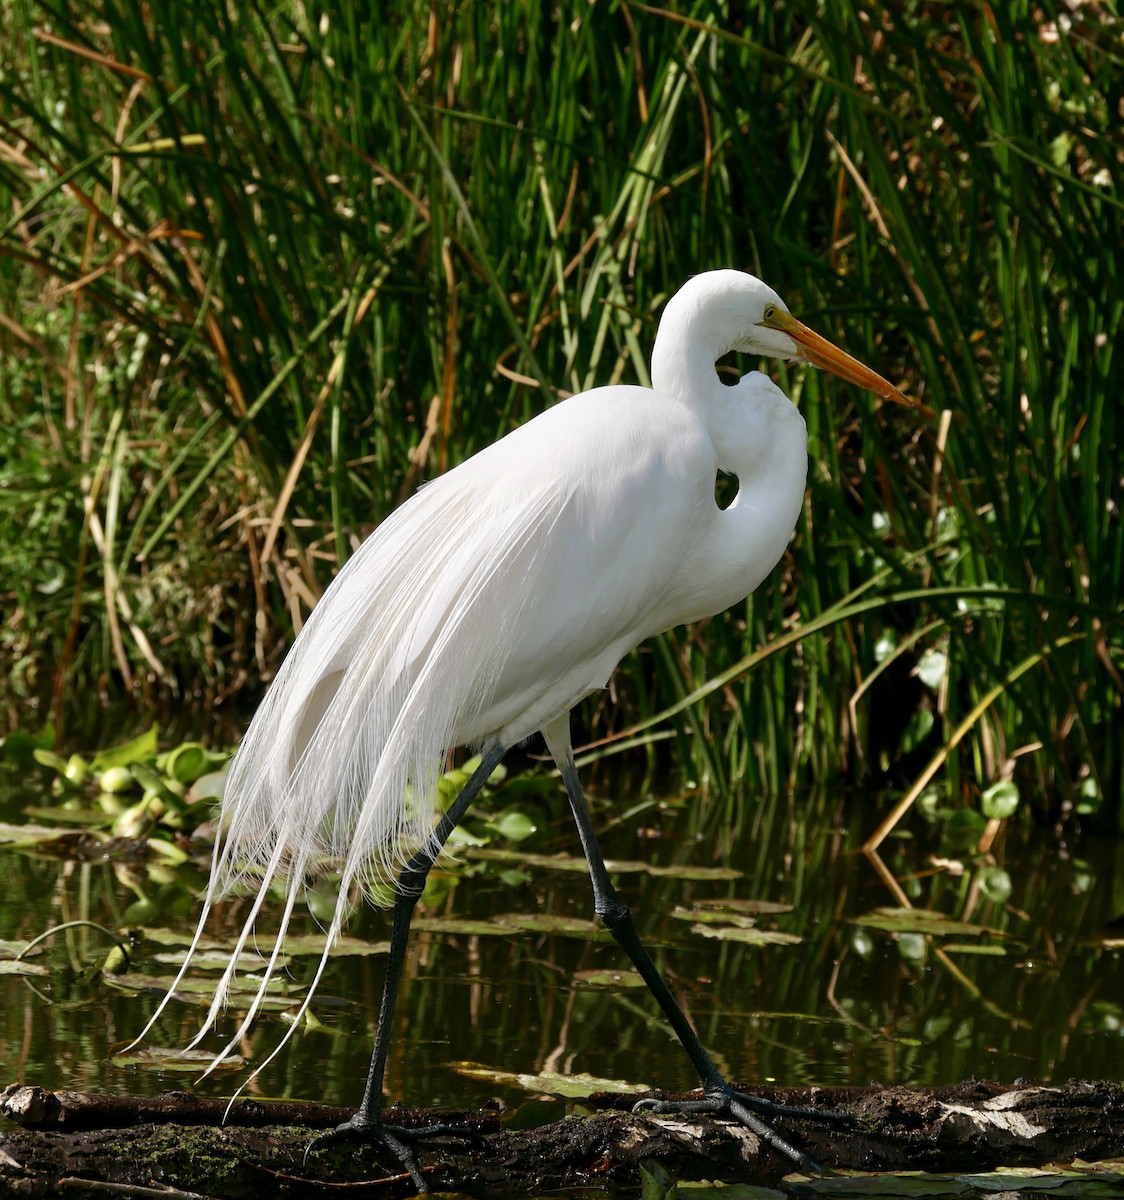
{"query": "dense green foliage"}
[(263, 270)]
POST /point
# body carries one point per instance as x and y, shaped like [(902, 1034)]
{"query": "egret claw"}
[(358, 1130), (794, 1110), (395, 1137), (739, 1106)]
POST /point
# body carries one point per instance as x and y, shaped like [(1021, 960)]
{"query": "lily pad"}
[(505, 924), (159, 1059), (746, 907), (571, 862), (10, 948), (919, 920), (1000, 801), (575, 1087), (909, 1185), (20, 836), (1078, 1183), (199, 992), (479, 927), (178, 937), (750, 935), (313, 943), (609, 979), (216, 960), (689, 872), (542, 922), (20, 966)]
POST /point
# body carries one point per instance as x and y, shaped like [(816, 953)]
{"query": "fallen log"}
[(67, 1143)]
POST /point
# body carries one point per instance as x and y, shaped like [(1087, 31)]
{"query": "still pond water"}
[(1023, 976)]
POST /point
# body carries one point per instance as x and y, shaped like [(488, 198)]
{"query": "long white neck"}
[(683, 358), (758, 435)]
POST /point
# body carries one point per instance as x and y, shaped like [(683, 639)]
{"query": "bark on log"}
[(68, 1144)]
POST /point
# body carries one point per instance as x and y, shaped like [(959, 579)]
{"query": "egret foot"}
[(395, 1137), (740, 1106)]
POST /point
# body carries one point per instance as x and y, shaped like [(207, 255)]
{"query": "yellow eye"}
[(769, 313)]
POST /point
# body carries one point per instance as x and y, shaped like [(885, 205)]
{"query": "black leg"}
[(367, 1123), (613, 912)]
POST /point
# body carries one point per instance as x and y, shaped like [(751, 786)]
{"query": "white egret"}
[(488, 605)]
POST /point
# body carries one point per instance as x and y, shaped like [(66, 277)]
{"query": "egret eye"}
[(769, 313)]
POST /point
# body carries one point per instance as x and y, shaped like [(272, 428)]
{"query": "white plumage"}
[(503, 592)]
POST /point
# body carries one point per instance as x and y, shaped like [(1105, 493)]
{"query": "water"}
[(1036, 994)]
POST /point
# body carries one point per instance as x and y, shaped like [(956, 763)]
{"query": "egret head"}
[(720, 311)]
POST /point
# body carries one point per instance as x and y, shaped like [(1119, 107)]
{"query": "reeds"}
[(264, 270)]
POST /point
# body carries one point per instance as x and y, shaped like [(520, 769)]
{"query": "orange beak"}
[(821, 353)]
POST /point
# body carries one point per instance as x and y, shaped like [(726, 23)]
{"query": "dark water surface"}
[(1027, 986)]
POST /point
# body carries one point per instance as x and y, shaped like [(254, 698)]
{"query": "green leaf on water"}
[(1080, 1183), (13, 966), (965, 827), (177, 937), (656, 1182), (141, 749), (919, 920), (688, 872), (215, 956), (514, 825), (158, 1059), (200, 991), (747, 934), (219, 960), (609, 979), (209, 786), (702, 916), (740, 913), (49, 759), (995, 883), (1000, 801), (170, 790), (190, 761), (301, 944), (748, 906), (25, 837), (542, 922), (571, 862), (577, 1086), (463, 926), (168, 851), (462, 837), (505, 924)]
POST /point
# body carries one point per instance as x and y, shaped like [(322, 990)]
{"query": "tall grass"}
[(265, 270)]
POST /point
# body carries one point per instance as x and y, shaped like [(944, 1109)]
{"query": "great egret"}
[(488, 605)]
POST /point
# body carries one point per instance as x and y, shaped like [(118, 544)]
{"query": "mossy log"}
[(66, 1143)]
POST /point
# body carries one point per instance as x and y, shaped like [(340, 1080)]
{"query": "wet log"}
[(66, 1143)]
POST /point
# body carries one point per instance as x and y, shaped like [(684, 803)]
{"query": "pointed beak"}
[(821, 353)]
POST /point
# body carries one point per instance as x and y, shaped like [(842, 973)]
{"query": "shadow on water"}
[(777, 949)]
